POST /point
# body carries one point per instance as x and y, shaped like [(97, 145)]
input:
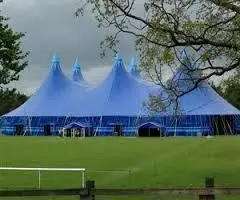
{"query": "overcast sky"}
[(50, 27)]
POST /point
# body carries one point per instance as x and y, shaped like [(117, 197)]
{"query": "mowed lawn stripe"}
[(155, 162), (149, 164)]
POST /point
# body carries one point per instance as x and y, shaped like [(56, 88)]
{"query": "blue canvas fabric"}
[(133, 69), (118, 95), (119, 99), (203, 100), (77, 74), (150, 125), (76, 125), (49, 100)]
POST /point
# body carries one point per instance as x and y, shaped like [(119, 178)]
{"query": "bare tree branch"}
[(210, 29), (226, 4)]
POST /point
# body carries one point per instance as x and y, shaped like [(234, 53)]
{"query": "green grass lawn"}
[(156, 162)]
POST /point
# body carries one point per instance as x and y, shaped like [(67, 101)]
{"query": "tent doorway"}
[(19, 129), (74, 132), (68, 132), (150, 129), (118, 130), (76, 129), (47, 130), (223, 125), (149, 132)]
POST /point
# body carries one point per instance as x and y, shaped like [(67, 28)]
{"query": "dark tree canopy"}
[(10, 99), (230, 89), (12, 62), (12, 58), (210, 29)]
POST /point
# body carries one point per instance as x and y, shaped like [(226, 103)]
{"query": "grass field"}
[(158, 162)]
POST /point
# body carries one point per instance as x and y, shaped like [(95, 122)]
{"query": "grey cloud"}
[(50, 27)]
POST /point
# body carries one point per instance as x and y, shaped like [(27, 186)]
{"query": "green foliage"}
[(12, 58), (10, 99), (209, 28), (230, 89), (12, 62)]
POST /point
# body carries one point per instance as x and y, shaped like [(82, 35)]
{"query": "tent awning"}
[(150, 125), (76, 125)]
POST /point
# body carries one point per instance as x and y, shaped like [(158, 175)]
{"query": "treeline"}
[(10, 99), (230, 89)]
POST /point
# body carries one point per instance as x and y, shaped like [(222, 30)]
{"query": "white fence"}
[(39, 170)]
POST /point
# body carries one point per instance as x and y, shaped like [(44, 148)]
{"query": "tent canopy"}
[(150, 125), (203, 100), (77, 125), (56, 93), (119, 95), (133, 68), (77, 74)]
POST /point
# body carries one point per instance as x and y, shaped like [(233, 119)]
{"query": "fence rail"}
[(41, 169), (89, 192), (122, 192)]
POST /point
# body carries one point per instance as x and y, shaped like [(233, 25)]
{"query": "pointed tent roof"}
[(133, 68), (76, 125), (203, 100), (56, 91), (186, 72), (150, 125), (77, 73), (118, 95), (135, 73)]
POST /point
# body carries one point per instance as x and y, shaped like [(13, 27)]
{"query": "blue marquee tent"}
[(116, 105), (202, 109)]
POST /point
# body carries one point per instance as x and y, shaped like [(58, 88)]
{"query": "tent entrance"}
[(74, 132), (150, 129), (47, 130), (19, 129), (149, 132), (118, 130), (68, 132), (223, 125), (76, 129)]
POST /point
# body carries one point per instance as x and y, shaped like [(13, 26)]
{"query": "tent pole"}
[(175, 131)]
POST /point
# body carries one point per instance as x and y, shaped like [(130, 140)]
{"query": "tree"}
[(229, 89), (12, 58), (10, 99), (12, 62), (209, 29)]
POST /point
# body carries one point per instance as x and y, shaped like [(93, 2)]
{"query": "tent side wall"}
[(188, 125)]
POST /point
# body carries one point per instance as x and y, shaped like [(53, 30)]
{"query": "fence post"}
[(89, 196), (209, 183), (39, 179), (130, 176)]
